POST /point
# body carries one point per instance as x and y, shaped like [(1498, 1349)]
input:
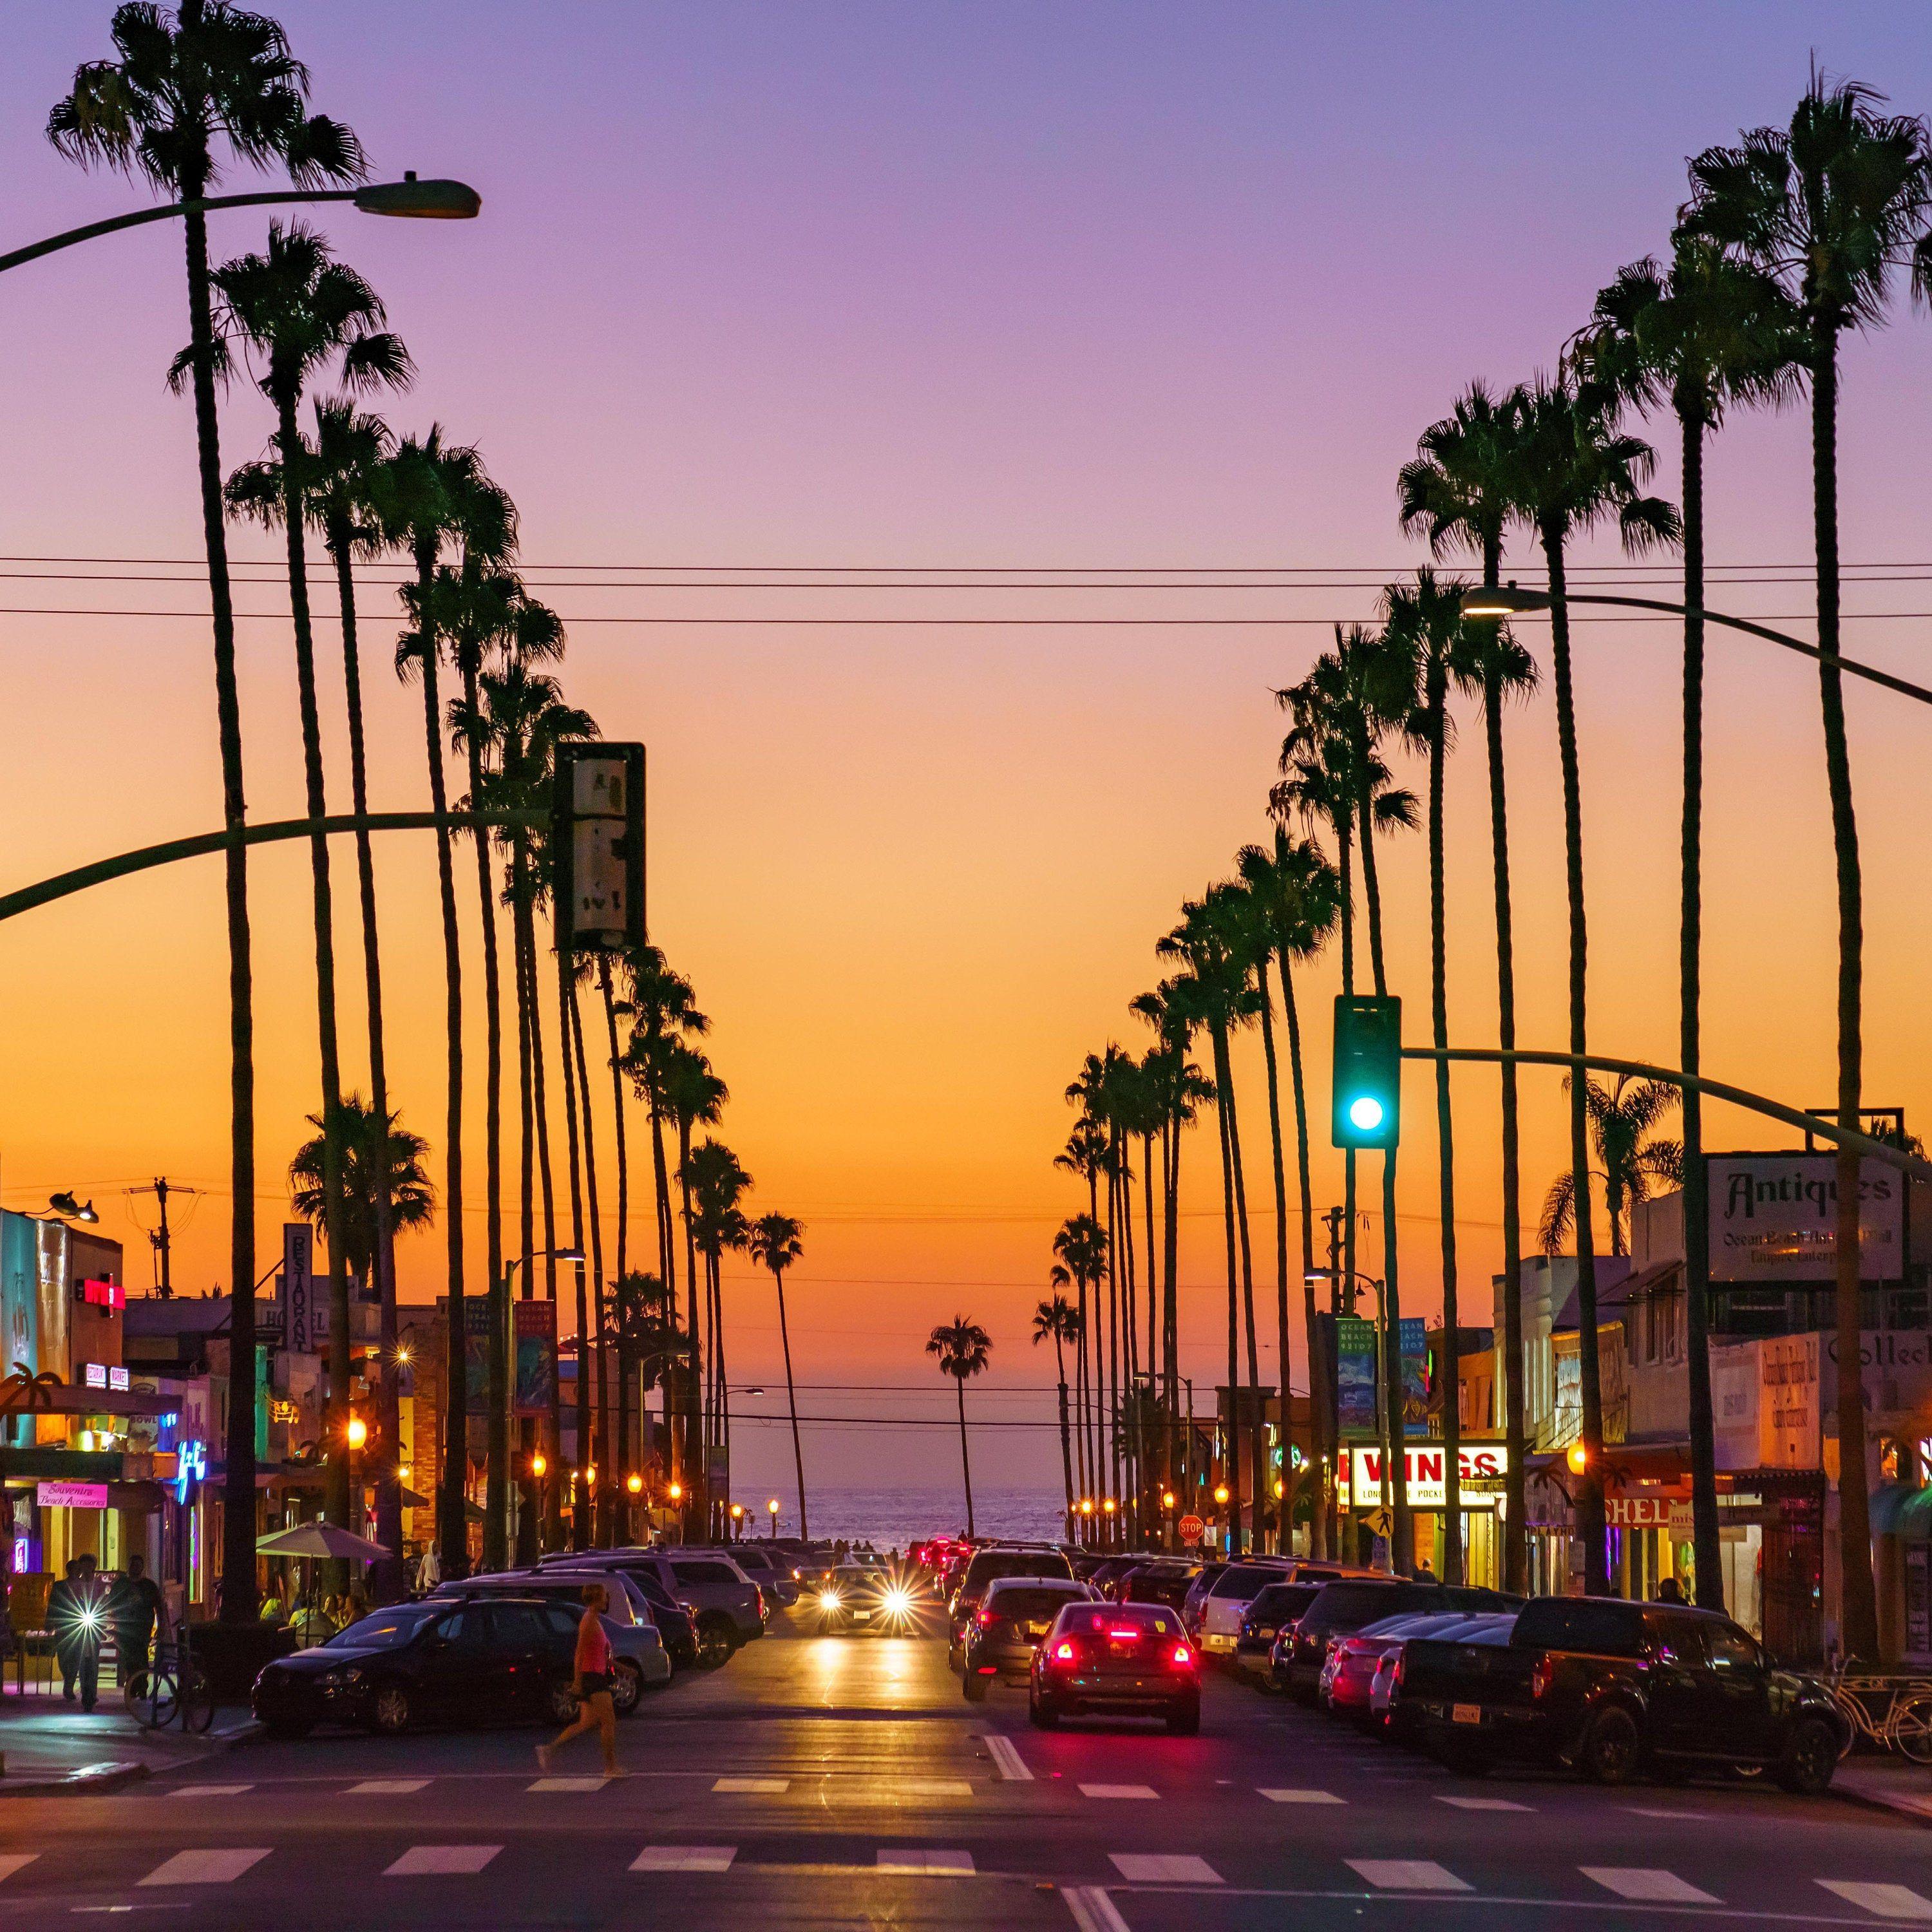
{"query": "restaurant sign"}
[(1481, 1465)]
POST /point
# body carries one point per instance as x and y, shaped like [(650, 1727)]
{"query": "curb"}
[(1919, 1810), (89, 1780)]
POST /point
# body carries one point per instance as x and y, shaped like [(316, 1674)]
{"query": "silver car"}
[(638, 1659)]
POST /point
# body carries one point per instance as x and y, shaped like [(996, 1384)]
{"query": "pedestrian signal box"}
[(597, 846), (1368, 1071)]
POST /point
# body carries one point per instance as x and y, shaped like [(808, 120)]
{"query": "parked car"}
[(1349, 1664), (1386, 1708), (767, 1569), (1351, 1604), (1010, 1625), (726, 1607), (433, 1662), (1609, 1687), (1204, 1580), (1000, 1559), (639, 1661), (1163, 1581), (1217, 1626), (1106, 1659), (1278, 1604)]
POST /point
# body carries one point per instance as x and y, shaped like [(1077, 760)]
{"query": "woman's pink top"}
[(593, 1645)]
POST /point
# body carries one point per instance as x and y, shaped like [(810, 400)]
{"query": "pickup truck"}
[(1610, 1688)]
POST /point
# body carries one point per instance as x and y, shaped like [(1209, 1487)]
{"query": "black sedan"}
[(1101, 1659), (431, 1662), (1011, 1622)]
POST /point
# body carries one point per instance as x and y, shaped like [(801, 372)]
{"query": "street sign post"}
[(598, 843), (1192, 1529)]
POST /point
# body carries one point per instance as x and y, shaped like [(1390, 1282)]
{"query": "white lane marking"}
[(443, 1861), (221, 1867), (936, 1787), (1093, 1910), (12, 1861), (569, 1783), (1646, 1811), (386, 1787), (752, 1784), (1277, 1797), (1006, 1760), (935, 1864), (1164, 1868), (1118, 1790), (208, 1790), (1882, 1901), (1484, 1804), (684, 1857), (1408, 1875), (1646, 1884)]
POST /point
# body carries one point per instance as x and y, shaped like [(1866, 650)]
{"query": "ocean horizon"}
[(893, 1517)]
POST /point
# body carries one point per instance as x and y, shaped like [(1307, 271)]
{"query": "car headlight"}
[(829, 1600), (899, 1601), (344, 1679)]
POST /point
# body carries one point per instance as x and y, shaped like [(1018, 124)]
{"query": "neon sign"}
[(103, 1293), (191, 1466)]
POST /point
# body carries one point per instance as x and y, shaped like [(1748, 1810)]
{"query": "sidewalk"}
[(48, 1745), (1884, 1782)]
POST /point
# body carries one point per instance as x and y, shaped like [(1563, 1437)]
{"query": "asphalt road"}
[(834, 1782)]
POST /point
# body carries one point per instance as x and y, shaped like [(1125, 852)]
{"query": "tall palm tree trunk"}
[(600, 1404), (497, 1493), (549, 1491), (1516, 1534), (580, 1524), (1708, 1578), (1285, 1509), (1437, 701), (523, 1487), (1170, 1310), (697, 1479), (1860, 1622), (965, 1454), (1318, 1369), (1402, 1542), (624, 1463), (791, 1403), (238, 1591), (340, 1502), (388, 1416), (1066, 1430), (1590, 1485), (1344, 857), (452, 1528), (1110, 1381), (1231, 1452), (1257, 1482), (724, 1379)]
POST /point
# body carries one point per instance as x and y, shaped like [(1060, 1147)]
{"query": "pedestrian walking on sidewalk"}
[(76, 1612), (591, 1681), (134, 1604)]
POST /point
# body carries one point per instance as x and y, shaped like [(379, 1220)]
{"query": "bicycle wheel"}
[(1909, 1729), (160, 1702), (197, 1704), (1857, 1722)]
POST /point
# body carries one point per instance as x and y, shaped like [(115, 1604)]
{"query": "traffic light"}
[(597, 846), (1368, 1071)]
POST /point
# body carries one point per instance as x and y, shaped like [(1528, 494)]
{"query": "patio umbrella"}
[(320, 1539)]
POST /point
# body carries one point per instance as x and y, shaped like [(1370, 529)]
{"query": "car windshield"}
[(387, 1630), (1110, 1619)]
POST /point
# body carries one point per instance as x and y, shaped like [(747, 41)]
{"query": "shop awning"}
[(1898, 1510), (69, 1400)]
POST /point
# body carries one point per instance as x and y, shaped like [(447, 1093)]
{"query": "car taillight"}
[(1062, 1653), (1183, 1656), (1541, 1673), (757, 1601), (984, 1619), (1401, 1665), (1129, 1636)]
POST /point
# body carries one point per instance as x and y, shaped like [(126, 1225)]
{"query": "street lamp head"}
[(634, 1484), (1505, 600), (64, 1203), (737, 1511), (676, 1493), (773, 1505), (1220, 1492), (539, 1462), (1109, 1506), (1578, 1457), (569, 1254), (422, 200), (1167, 1499), (1086, 1505), (357, 1432)]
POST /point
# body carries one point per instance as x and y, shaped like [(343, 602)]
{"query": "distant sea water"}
[(892, 1518)]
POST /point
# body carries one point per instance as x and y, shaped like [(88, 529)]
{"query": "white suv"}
[(1226, 1604)]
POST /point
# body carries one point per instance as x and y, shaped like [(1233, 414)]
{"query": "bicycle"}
[(173, 1686), (1904, 1723)]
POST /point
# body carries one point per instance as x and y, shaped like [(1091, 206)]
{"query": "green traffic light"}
[(1365, 1113), (1368, 1072)]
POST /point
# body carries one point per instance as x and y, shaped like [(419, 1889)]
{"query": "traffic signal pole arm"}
[(63, 884), (1873, 1149)]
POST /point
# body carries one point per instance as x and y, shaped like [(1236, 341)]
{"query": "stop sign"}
[(1192, 1529)]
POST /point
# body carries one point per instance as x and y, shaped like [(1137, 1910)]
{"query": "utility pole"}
[(160, 1238)]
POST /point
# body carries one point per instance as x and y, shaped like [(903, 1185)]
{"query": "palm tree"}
[(1630, 1166), (593, 1416), (1296, 896), (962, 1347), (1705, 332), (717, 1184), (1457, 491), (293, 313), (1080, 1246), (1572, 468), (777, 1241), (646, 1336), (156, 109), (1057, 1320), (694, 1097), (1829, 206), (380, 1179), (431, 493), (1085, 1156)]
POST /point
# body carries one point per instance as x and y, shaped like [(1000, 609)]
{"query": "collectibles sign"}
[(1775, 1399), (1775, 1218), (1426, 1464)]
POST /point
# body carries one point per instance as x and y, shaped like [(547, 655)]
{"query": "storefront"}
[(1482, 1465)]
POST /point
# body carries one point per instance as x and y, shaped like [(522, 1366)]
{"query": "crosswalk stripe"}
[(1646, 1885), (209, 1790), (11, 1861), (684, 1857), (1164, 1868), (1007, 1761), (443, 1861), (1093, 1910), (1483, 1803), (934, 1863), (1279, 1797), (569, 1783), (935, 1787), (386, 1787), (1882, 1901), (211, 1868), (1118, 1790), (752, 1784), (1408, 1875)]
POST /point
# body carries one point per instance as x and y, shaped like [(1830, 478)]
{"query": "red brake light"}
[(1062, 1653), (984, 1619), (1541, 1673), (1129, 1635), (1183, 1655)]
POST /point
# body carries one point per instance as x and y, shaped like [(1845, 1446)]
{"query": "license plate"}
[(1122, 1650), (1267, 1630), (861, 1616), (1466, 1714)]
